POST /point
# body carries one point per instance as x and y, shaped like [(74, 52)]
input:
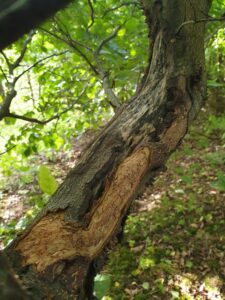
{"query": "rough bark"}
[(10, 287), (60, 252)]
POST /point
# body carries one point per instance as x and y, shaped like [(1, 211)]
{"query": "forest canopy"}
[(47, 88)]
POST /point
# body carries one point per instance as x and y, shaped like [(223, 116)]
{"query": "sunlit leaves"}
[(59, 73), (46, 180), (101, 285)]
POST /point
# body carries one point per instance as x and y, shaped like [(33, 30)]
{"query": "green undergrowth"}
[(174, 240)]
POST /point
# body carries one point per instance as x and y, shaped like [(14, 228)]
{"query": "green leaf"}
[(27, 152), (175, 294), (9, 121), (189, 264), (46, 181), (145, 286), (101, 285), (146, 263)]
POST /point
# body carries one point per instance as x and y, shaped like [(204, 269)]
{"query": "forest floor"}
[(174, 238)]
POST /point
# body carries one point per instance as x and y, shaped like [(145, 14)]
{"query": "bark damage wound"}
[(53, 239)]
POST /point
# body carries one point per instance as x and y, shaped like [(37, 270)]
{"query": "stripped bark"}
[(61, 251)]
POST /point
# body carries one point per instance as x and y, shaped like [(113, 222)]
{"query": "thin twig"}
[(37, 63), (119, 6), (4, 108), (92, 14), (6, 59), (107, 39), (31, 88), (44, 122), (112, 98), (204, 20), (66, 33), (213, 33), (23, 51), (73, 44), (2, 91), (3, 72), (32, 120), (6, 151)]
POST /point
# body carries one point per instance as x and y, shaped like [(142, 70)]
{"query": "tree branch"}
[(99, 71), (23, 51), (13, 66), (6, 59), (4, 74), (213, 33), (119, 6), (37, 63), (6, 151), (2, 91), (44, 122), (92, 13), (74, 45), (64, 31), (104, 75), (32, 120), (106, 40), (203, 20), (4, 108)]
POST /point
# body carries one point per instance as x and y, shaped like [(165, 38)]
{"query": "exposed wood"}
[(58, 255), (104, 215)]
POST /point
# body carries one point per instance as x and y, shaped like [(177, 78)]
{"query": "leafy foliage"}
[(61, 76)]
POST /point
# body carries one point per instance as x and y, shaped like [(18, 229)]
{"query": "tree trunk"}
[(61, 251)]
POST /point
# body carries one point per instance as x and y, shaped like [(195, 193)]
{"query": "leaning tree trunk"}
[(61, 251)]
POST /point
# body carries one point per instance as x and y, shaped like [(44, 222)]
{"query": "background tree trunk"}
[(61, 251)]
